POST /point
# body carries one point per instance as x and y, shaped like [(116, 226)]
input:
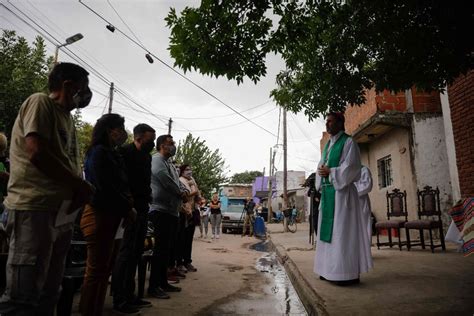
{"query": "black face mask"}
[(147, 147)]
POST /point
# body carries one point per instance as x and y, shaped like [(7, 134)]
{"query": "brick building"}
[(458, 110), (402, 140)]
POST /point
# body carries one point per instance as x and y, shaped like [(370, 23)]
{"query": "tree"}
[(23, 71), (208, 166), (246, 177), (333, 50), (84, 133)]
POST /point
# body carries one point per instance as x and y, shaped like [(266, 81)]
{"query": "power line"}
[(123, 21), (52, 39), (224, 115), (175, 71), (232, 125)]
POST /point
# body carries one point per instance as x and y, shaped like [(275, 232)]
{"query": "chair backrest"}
[(428, 202), (397, 204)]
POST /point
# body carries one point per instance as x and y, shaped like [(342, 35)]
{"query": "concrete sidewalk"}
[(414, 283)]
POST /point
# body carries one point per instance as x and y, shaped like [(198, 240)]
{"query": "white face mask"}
[(82, 99)]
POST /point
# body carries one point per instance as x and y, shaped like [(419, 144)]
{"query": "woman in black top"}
[(215, 216), (111, 202)]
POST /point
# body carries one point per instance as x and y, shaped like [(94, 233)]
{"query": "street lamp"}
[(69, 41)]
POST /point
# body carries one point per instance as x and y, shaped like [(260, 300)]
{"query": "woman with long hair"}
[(111, 202), (188, 219), (216, 215)]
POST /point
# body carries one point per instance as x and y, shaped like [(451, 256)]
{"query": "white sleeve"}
[(364, 185), (317, 179), (348, 171)]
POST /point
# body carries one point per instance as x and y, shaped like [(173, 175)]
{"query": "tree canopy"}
[(333, 50), (23, 71), (246, 177), (208, 165)]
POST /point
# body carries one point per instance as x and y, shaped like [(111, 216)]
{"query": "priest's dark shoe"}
[(347, 282)]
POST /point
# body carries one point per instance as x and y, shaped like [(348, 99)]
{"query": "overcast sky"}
[(161, 91)]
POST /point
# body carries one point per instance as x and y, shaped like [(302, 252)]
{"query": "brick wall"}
[(357, 115), (426, 101), (461, 101), (389, 101)]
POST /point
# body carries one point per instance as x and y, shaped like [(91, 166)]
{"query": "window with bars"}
[(384, 166)]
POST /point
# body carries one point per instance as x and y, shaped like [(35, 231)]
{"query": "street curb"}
[(313, 303)]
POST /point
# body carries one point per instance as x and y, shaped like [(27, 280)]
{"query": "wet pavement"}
[(268, 291)]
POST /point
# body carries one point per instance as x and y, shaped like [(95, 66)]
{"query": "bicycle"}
[(290, 216)]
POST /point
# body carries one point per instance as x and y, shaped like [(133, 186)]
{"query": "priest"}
[(342, 250)]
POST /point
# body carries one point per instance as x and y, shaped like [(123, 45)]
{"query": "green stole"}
[(328, 193)]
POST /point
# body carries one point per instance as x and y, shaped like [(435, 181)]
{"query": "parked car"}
[(232, 219)]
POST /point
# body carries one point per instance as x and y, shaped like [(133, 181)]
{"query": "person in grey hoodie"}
[(166, 201)]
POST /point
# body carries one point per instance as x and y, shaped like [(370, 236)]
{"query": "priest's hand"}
[(324, 171)]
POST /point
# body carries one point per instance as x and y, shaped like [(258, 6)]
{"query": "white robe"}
[(364, 186), (348, 253)]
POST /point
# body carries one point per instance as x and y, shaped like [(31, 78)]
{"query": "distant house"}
[(296, 191), (234, 194), (260, 190)]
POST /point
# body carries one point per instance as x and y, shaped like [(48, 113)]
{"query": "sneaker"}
[(191, 268), (181, 268), (126, 309), (139, 303), (171, 288), (179, 275), (217, 236), (172, 279), (158, 293)]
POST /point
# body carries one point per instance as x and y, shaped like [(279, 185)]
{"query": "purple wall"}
[(257, 186)]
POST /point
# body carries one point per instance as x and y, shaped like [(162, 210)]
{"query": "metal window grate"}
[(384, 166)]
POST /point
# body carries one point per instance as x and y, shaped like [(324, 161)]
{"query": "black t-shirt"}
[(249, 206), (215, 210), (138, 170)]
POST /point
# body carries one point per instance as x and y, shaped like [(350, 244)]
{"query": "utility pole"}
[(270, 193), (111, 96), (285, 169), (170, 123)]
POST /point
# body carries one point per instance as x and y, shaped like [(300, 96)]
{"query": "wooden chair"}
[(396, 207), (428, 207)]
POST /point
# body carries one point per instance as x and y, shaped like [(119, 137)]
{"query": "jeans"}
[(129, 256), (165, 230), (204, 224), (179, 248), (216, 223), (35, 265), (99, 229)]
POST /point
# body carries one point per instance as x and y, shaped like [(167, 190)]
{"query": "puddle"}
[(266, 291), (283, 291), (262, 246)]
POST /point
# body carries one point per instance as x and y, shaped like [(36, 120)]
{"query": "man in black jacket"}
[(137, 161)]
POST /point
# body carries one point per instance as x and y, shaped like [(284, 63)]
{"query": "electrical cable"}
[(174, 70), (123, 21)]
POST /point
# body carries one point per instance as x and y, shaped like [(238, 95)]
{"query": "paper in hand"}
[(62, 217)]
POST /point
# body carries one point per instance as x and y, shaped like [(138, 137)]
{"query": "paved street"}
[(231, 279)]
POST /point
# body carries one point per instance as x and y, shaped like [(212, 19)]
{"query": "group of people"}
[(344, 221), (118, 191)]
